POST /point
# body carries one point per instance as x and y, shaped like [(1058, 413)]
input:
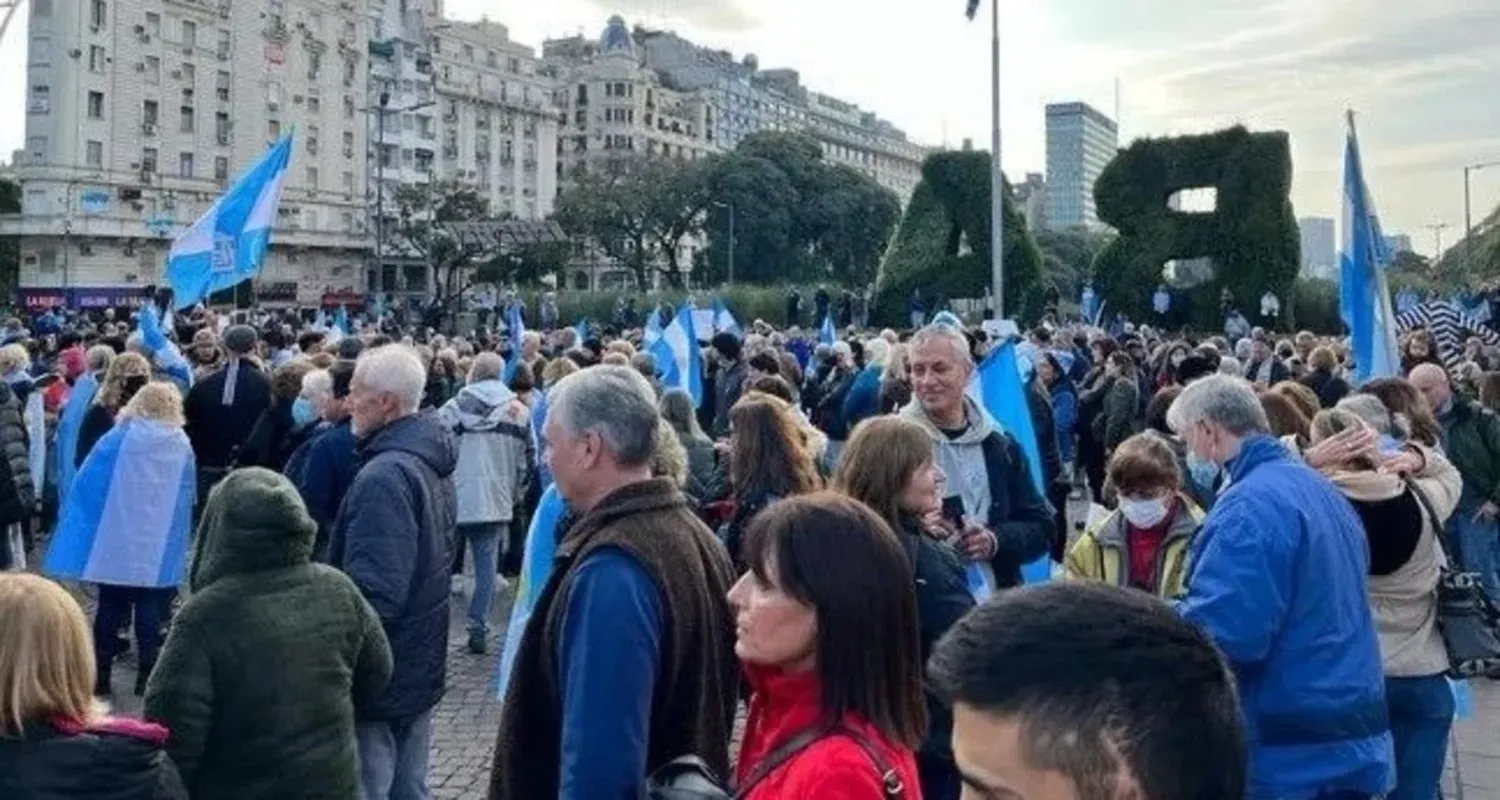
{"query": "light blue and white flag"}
[(536, 569), (652, 331), (998, 388), (724, 321), (127, 518), (517, 329), (679, 364), (69, 423), (581, 331), (826, 334), (1364, 301), (228, 243)]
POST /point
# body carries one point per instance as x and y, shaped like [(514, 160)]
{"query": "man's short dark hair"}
[(1104, 684), (727, 344), (342, 374)]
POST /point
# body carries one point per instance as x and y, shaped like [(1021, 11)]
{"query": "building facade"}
[(1031, 197), (140, 112), (1081, 142)]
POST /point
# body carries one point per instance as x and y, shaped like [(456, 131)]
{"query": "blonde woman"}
[(126, 375), (55, 739), (125, 525)]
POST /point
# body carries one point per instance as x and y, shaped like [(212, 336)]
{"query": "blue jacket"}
[(1277, 578), (322, 469), (863, 399), (394, 538), (1065, 417)]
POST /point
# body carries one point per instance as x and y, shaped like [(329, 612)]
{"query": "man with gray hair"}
[(1278, 581), (628, 658), (393, 537), (991, 499)]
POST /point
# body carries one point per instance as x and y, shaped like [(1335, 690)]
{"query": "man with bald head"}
[(1471, 438)]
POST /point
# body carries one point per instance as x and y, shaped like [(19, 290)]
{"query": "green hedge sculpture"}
[(1251, 236), (950, 207)]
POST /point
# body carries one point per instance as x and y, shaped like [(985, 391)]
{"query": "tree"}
[(456, 266), (1068, 257), (677, 199), (617, 206), (764, 206)]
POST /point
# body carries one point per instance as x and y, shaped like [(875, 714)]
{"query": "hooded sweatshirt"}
[(495, 456)]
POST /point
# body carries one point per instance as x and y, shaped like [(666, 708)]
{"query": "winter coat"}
[(990, 480), (894, 393), (1101, 553), (1065, 417), (704, 483), (495, 459), (97, 421), (270, 656), (835, 767), (942, 598), (273, 439), (728, 386), (1120, 417), (394, 537), (1276, 579), (322, 469), (113, 759), (828, 415), (1405, 557), (17, 494), (643, 535), (1329, 388), (1039, 405), (216, 429), (1471, 439), (863, 398)]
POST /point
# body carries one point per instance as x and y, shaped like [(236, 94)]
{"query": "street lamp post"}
[(997, 176), (385, 100)]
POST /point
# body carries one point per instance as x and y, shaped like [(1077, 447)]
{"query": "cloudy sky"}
[(1424, 76)]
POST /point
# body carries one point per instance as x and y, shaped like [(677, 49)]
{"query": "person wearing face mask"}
[(889, 467), (1143, 544), (1277, 580), (323, 466)]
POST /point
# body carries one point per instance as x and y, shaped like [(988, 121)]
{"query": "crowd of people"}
[(825, 552)]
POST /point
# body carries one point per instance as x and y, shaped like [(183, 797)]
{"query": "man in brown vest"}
[(628, 659)]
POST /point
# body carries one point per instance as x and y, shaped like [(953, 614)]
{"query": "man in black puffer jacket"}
[(17, 495)]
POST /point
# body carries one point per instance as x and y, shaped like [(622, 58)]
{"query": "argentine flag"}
[(826, 334), (69, 425), (227, 244), (679, 365), (536, 569), (998, 388), (1364, 301), (653, 328), (126, 520), (517, 329), (163, 352), (724, 320)]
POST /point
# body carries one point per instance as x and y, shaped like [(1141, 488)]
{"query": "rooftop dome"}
[(616, 37)]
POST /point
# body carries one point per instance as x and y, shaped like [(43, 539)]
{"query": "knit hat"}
[(240, 339), (254, 520)]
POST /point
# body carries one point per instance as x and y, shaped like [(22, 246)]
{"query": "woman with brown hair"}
[(888, 465), (831, 655), (1287, 421), (1305, 399), (1403, 399), (55, 739), (1322, 365), (768, 460)]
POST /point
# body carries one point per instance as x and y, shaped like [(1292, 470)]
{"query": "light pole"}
[(385, 101), (730, 259), (1468, 214), (997, 176)]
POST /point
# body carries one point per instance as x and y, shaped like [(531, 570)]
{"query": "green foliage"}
[(1474, 260), (454, 265), (1315, 307), (1068, 257), (748, 303), (1252, 236), (630, 208), (951, 208)]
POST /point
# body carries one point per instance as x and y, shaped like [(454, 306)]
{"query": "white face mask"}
[(1144, 513)]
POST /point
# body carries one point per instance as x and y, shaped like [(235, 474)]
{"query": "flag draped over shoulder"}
[(127, 518), (998, 388), (1364, 301), (69, 423), (679, 364), (228, 243), (536, 568)]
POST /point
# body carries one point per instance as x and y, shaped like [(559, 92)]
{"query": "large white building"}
[(139, 113), (1081, 142)]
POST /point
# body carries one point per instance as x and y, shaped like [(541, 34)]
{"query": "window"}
[(94, 153), (98, 14), (514, 65), (469, 52), (348, 140), (36, 147), (583, 93), (184, 165), (223, 44), (312, 139), (314, 105), (314, 65), (41, 100), (153, 69), (189, 33), (312, 178), (96, 105), (273, 129), (153, 23), (189, 74), (221, 168), (491, 59), (148, 161), (222, 127), (149, 113), (348, 181), (96, 58), (348, 107), (221, 86), (41, 9), (41, 51), (187, 119)]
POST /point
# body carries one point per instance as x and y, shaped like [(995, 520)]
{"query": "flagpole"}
[(997, 176)]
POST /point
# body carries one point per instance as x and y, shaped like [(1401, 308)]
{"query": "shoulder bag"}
[(689, 778), (1466, 615)]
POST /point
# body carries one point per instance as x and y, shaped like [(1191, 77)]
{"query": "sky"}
[(1423, 77)]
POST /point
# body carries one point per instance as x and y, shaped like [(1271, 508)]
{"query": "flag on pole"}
[(826, 333), (724, 321), (652, 331), (1364, 301), (516, 329), (163, 353), (679, 365), (998, 388), (227, 244)]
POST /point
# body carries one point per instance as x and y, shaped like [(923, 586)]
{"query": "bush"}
[(747, 303)]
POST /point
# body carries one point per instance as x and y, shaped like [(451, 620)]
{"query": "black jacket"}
[(111, 761), (97, 421), (942, 598), (1329, 387), (1040, 405), (394, 537), (17, 495), (217, 430)]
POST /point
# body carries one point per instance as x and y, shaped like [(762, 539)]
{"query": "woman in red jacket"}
[(826, 628)]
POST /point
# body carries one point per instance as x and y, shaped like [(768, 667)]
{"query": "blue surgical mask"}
[(1201, 470), (303, 412)]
